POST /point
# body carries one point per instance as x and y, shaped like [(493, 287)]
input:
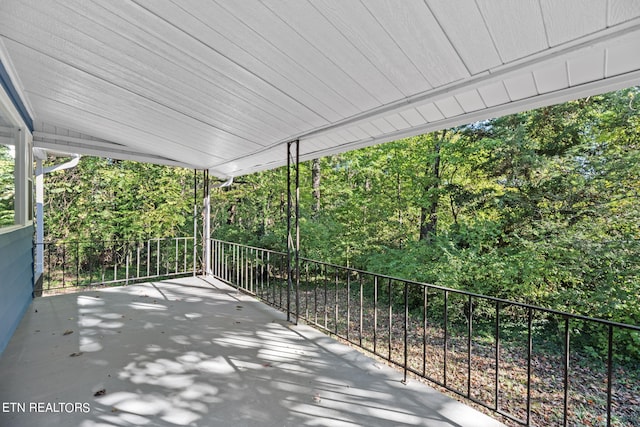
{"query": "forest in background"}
[(538, 207), (7, 186)]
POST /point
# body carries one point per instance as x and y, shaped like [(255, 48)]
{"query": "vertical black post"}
[(326, 311), (348, 302), (64, 263), (446, 335), (335, 305), (315, 294), (390, 329), (375, 314), (497, 379), (306, 291), (406, 330), (78, 263), (206, 224), (529, 356), (425, 301), (609, 375), (297, 210), (565, 411), (469, 342), (293, 208), (361, 310)]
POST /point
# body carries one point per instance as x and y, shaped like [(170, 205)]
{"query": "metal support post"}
[(293, 209), (206, 226), (195, 221)]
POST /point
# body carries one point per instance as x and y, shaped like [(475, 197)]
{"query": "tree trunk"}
[(231, 219), (315, 185), (429, 210)]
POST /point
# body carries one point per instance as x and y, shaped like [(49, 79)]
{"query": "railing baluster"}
[(77, 263), (348, 303), (103, 267), (375, 314), (268, 275), (326, 294), (315, 298), (306, 290), (406, 330), (566, 373), (49, 265), (137, 259), (184, 255), (469, 339), (126, 280), (497, 379), (425, 296), (260, 272), (114, 256), (336, 302), (148, 257), (361, 309), (286, 278), (64, 263), (529, 355), (609, 374), (446, 334), (390, 318), (256, 272)]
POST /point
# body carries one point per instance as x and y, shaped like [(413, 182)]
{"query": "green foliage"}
[(103, 199), (7, 187)]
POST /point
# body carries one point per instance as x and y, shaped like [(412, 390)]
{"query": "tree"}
[(7, 186), (315, 185)]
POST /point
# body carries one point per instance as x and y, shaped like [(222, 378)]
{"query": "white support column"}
[(39, 267)]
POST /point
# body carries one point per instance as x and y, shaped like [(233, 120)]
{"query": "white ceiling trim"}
[(97, 147)]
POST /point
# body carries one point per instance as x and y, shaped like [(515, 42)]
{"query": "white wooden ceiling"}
[(223, 85)]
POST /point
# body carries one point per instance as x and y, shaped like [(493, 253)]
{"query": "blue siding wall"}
[(16, 280)]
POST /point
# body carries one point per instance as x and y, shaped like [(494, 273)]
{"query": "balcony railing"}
[(532, 365), (84, 263)]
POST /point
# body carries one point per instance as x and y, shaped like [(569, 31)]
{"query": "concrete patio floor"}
[(195, 352)]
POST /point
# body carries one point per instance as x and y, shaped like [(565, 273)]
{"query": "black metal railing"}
[(83, 263), (532, 365)]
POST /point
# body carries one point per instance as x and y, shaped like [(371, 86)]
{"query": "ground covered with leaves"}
[(496, 376)]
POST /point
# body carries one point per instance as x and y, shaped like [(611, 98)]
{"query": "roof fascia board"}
[(8, 82)]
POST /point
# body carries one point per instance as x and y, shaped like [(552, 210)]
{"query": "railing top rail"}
[(62, 241), (452, 290)]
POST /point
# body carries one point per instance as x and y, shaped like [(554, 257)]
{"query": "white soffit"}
[(223, 85)]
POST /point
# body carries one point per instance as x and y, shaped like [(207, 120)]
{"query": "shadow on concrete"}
[(195, 352)]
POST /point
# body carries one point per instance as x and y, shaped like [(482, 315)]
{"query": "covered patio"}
[(230, 88), (197, 352)]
